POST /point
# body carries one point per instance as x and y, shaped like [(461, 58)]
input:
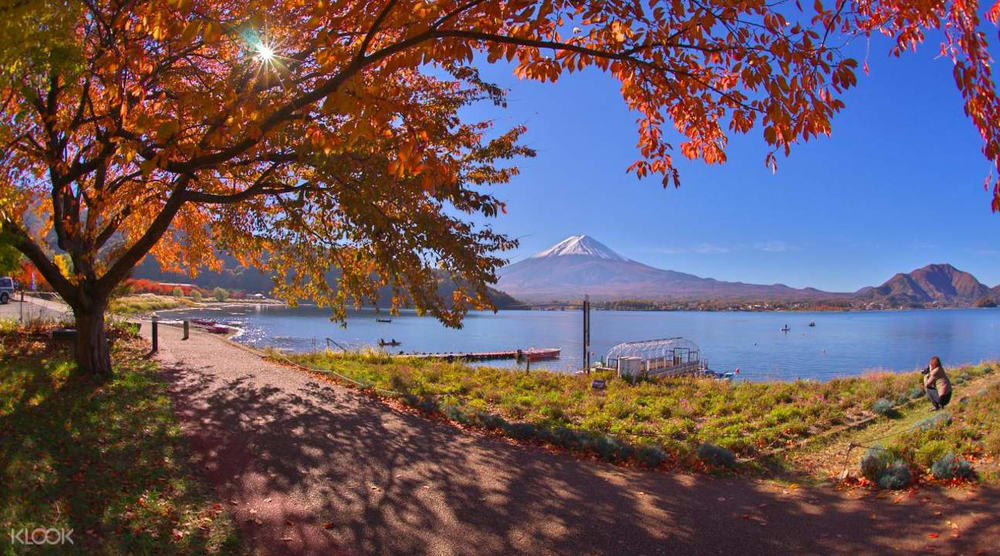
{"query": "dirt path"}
[(310, 467)]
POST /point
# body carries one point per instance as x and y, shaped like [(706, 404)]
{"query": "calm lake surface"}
[(840, 344)]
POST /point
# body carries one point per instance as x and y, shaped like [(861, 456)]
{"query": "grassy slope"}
[(106, 460), (969, 426), (678, 415), (147, 303)]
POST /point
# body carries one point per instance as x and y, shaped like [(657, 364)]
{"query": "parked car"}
[(7, 287)]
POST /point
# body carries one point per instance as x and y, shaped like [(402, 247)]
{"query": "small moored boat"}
[(540, 354)]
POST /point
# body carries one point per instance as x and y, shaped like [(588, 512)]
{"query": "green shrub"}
[(125, 328), (901, 399), (177, 292), (427, 405), (488, 420), (610, 449), (565, 437), (196, 295), (453, 412), (941, 419), (917, 392), (951, 467), (716, 455), (874, 463), (521, 431), (220, 294), (651, 456), (883, 407), (895, 477), (930, 452)]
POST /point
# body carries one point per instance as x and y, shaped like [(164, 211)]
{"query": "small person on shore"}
[(937, 384)]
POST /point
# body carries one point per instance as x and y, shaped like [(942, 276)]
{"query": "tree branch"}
[(375, 27), (23, 242), (120, 269)]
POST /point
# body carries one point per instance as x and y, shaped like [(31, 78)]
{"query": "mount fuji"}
[(581, 265)]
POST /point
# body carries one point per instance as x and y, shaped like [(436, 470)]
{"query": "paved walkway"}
[(311, 467), (34, 310)]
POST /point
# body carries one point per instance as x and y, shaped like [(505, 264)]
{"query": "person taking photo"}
[(937, 384)]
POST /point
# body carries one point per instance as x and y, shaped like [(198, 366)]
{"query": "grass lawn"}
[(106, 460), (675, 416)]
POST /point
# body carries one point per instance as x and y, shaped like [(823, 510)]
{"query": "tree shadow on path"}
[(310, 467)]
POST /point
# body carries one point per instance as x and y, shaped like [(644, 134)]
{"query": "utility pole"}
[(586, 333)]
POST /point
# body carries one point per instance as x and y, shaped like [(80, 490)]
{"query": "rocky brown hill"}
[(934, 284)]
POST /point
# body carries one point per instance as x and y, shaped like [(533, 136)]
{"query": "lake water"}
[(840, 343)]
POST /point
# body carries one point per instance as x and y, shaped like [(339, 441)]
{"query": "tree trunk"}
[(93, 355)]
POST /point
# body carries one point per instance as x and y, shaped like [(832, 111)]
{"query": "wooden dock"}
[(532, 354)]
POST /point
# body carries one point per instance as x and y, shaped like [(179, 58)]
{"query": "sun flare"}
[(265, 52)]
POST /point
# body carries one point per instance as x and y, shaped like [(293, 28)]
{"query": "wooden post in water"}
[(155, 334), (187, 326)]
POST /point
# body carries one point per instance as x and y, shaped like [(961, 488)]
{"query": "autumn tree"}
[(305, 136)]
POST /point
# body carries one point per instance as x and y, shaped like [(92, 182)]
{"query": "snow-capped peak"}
[(580, 245)]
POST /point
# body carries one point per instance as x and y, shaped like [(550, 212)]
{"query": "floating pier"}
[(532, 354)]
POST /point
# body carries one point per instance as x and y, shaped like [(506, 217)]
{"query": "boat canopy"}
[(674, 350)]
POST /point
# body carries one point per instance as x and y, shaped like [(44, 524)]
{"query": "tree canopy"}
[(303, 136), (10, 259)]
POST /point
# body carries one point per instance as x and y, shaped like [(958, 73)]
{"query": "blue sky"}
[(898, 185)]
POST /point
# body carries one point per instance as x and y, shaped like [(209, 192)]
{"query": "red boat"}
[(204, 322), (541, 354)]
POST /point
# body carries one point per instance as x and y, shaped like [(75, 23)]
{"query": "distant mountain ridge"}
[(581, 265), (940, 284), (237, 277)]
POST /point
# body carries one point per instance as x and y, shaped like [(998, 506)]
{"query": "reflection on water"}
[(840, 343)]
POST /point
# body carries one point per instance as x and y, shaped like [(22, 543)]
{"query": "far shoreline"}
[(222, 305), (568, 308)]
